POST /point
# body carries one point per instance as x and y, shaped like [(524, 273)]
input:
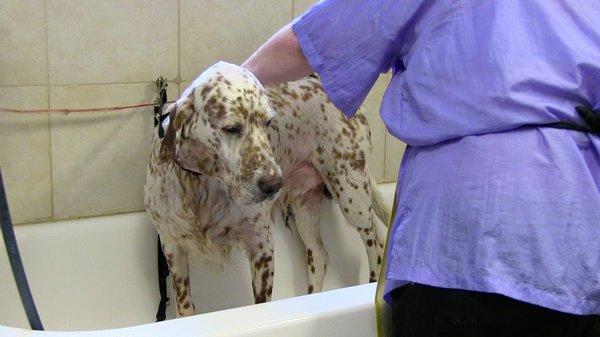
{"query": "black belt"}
[(590, 117)]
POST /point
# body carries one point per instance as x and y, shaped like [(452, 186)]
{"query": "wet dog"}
[(234, 153)]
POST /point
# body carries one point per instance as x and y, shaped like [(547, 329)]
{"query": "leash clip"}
[(159, 103), (161, 89)]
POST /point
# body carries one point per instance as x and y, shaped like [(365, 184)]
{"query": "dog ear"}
[(167, 146), (177, 117), (195, 156)]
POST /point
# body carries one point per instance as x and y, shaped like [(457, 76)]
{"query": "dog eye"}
[(268, 123), (233, 130)]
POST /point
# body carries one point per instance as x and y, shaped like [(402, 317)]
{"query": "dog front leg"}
[(261, 258), (177, 259)]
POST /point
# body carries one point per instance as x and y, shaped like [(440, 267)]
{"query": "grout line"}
[(293, 3), (22, 85), (48, 106), (76, 84), (179, 39), (47, 48), (385, 140), (84, 84), (387, 134)]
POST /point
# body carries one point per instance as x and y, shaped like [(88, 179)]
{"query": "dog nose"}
[(270, 184)]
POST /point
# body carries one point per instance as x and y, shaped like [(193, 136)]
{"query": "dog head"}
[(218, 129)]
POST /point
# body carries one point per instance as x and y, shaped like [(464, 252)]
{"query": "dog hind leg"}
[(306, 216), (353, 196)]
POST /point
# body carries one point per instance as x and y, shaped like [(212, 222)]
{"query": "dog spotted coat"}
[(234, 153)]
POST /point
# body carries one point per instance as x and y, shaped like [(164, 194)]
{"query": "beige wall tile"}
[(214, 30), (378, 131), (23, 57), (112, 41), (394, 150), (300, 6), (25, 154), (99, 159)]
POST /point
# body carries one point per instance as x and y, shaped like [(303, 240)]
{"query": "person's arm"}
[(348, 43), (280, 59)]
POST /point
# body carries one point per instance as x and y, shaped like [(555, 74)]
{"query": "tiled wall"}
[(87, 53)]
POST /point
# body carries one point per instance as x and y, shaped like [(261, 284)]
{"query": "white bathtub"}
[(95, 276)]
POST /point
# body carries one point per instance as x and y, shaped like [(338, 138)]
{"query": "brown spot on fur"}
[(358, 163), (306, 96), (320, 149), (183, 295), (205, 90), (285, 91), (260, 299), (361, 119), (263, 261)]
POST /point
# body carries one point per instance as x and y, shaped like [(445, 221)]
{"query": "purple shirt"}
[(484, 203)]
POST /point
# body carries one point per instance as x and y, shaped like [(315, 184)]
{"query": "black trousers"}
[(425, 311)]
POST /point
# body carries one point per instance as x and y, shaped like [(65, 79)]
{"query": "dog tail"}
[(380, 207)]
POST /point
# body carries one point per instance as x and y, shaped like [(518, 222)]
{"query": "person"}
[(497, 227)]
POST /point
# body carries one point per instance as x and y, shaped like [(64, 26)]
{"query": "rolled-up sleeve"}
[(348, 43)]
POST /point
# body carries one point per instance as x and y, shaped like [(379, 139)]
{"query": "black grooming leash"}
[(163, 268), (12, 249), (163, 273)]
